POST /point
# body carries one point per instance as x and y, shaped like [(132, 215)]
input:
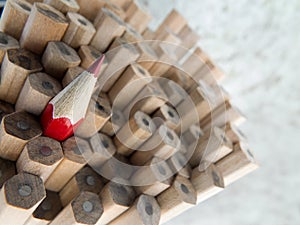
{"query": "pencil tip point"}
[(96, 66)]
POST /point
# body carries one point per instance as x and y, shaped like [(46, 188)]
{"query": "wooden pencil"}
[(80, 31), (134, 133), (207, 182), (117, 169), (145, 211), (64, 6), (58, 57), (14, 17), (115, 9), (76, 154), (116, 199), (148, 100), (88, 55), (163, 144), (91, 10), (174, 21), (40, 157), (59, 119), (159, 177), (108, 26), (113, 125), (103, 149), (19, 197), (34, 36), (71, 74), (16, 66), (39, 88), (179, 164), (180, 197), (86, 208), (211, 147), (84, 180), (98, 113), (175, 93), (17, 129), (134, 78), (137, 16), (168, 116), (237, 164), (118, 59)]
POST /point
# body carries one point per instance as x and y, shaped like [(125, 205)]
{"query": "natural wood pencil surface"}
[(105, 121), (19, 197)]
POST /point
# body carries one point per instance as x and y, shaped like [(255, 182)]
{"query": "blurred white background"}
[(257, 44)]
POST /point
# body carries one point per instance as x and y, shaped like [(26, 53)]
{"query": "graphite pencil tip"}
[(96, 66)]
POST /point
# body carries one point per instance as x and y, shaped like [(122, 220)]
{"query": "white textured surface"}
[(257, 45)]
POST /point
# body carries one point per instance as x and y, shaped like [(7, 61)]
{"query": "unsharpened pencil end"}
[(96, 66)]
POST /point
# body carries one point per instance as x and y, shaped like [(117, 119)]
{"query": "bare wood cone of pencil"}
[(67, 110)]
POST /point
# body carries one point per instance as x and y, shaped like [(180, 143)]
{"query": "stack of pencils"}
[(105, 121)]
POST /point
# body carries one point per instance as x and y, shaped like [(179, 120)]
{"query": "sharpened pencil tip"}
[(96, 66)]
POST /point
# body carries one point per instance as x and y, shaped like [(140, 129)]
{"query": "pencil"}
[(66, 111)]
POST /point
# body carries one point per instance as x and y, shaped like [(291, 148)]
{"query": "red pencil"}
[(66, 111)]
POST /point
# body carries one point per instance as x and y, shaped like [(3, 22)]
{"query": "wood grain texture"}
[(14, 17), (88, 55), (113, 125), (207, 182), (134, 133), (137, 16), (119, 57), (71, 74), (17, 129), (116, 199), (58, 57), (162, 144), (84, 180), (131, 82), (103, 149), (174, 21), (64, 6), (80, 31), (19, 197), (132, 35), (40, 157), (98, 113), (38, 90), (159, 177), (16, 66), (86, 208), (211, 147), (222, 114), (237, 164), (108, 26), (145, 211), (115, 9), (76, 153), (148, 100), (178, 163), (177, 199), (91, 10), (35, 37), (168, 116)]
